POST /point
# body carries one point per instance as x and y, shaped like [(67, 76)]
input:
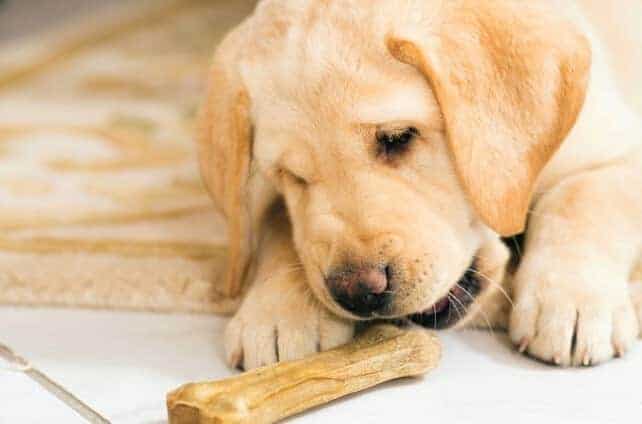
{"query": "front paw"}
[(281, 326), (571, 320)]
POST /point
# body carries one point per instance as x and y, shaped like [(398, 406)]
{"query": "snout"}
[(361, 290), (371, 292)]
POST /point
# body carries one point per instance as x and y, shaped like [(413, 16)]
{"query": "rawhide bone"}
[(269, 394)]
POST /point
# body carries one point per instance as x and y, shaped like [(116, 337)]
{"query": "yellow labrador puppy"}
[(369, 155)]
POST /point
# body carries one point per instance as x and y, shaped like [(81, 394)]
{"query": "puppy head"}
[(403, 137)]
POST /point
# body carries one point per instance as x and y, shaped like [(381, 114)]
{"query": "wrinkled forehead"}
[(326, 78)]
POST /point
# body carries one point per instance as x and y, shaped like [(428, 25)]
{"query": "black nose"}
[(361, 291)]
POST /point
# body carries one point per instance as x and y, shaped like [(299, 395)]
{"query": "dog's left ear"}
[(225, 144), (510, 78)]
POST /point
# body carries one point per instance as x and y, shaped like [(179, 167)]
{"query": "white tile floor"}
[(124, 363)]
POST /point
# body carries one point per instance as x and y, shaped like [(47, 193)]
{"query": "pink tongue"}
[(439, 306)]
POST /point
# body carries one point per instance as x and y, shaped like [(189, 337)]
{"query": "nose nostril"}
[(388, 272), (363, 291)]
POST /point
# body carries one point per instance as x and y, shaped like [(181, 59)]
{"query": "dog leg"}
[(573, 300), (279, 318)]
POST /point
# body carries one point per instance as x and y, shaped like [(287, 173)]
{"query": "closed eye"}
[(396, 141), (292, 177)]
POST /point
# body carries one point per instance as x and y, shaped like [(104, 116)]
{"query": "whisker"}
[(434, 314), (481, 310), (495, 283), (454, 299), (449, 311)]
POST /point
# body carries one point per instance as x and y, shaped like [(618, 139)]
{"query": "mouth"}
[(450, 309)]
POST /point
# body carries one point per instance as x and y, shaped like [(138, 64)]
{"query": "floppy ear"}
[(510, 79), (225, 157)]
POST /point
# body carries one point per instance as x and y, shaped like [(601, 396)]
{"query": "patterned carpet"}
[(101, 201)]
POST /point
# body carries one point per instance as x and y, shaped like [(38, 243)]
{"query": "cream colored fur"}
[(519, 117)]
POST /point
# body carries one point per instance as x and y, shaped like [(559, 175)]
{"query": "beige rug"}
[(101, 203)]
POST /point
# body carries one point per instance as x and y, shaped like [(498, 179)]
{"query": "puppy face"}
[(364, 167), (399, 134)]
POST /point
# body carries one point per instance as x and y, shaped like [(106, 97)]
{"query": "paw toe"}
[(636, 295), (553, 341), (233, 343), (296, 341), (259, 346), (594, 329), (568, 330), (523, 322), (626, 329)]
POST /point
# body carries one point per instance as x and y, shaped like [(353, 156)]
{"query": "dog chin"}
[(454, 307)]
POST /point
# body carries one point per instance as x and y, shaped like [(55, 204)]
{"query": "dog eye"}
[(395, 142), (292, 177)]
